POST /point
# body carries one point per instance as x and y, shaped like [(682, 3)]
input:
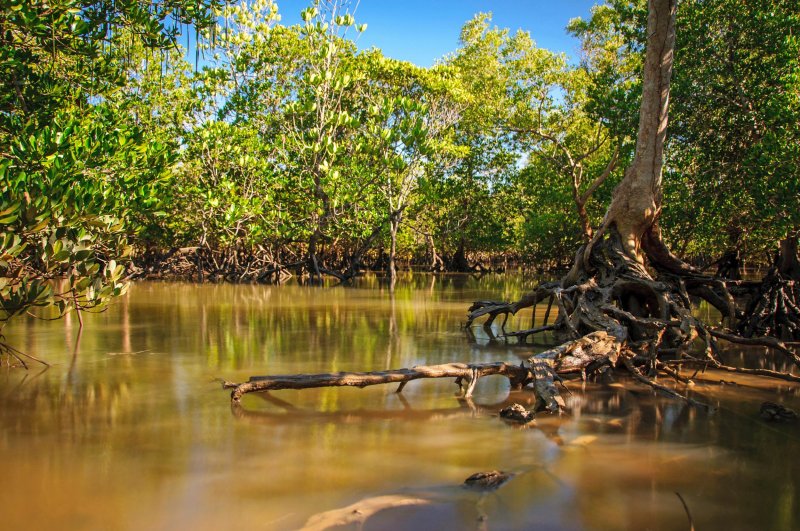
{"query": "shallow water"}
[(130, 431)]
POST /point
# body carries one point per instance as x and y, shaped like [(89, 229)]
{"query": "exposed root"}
[(769, 342), (775, 310), (638, 376), (649, 318), (12, 353), (669, 371), (522, 335), (610, 307), (495, 308), (586, 354), (757, 372)]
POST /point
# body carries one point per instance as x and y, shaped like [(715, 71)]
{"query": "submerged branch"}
[(769, 342), (637, 374), (470, 373)]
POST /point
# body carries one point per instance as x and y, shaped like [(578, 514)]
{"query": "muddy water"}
[(129, 431)]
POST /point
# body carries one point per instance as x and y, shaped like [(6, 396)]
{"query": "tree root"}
[(649, 318), (769, 342), (775, 310), (638, 376), (609, 308), (12, 353), (758, 372), (522, 335)]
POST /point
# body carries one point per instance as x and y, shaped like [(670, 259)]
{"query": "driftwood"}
[(593, 351), (465, 375)]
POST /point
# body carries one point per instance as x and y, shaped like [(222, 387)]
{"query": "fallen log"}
[(581, 355), (466, 376)]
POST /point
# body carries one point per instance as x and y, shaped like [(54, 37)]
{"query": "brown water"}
[(129, 431)]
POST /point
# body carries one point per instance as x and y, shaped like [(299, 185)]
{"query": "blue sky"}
[(422, 31)]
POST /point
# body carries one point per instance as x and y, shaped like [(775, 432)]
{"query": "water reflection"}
[(129, 430)]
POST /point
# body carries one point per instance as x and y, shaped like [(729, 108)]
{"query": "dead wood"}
[(466, 376), (358, 513), (586, 353)]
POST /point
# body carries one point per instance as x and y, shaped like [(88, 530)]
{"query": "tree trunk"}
[(586, 226), (436, 261), (459, 262), (394, 225), (636, 202), (787, 263)]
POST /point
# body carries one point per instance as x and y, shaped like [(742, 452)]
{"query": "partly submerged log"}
[(585, 354), (465, 375)]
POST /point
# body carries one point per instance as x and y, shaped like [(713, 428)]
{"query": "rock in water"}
[(486, 480), (777, 413), (517, 413)]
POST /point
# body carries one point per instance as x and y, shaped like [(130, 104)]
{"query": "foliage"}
[(735, 146), (290, 143), (75, 171)]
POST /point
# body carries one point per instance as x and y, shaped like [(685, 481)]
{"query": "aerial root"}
[(769, 342), (651, 321), (669, 371), (609, 308), (13, 353), (774, 310), (522, 335)]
